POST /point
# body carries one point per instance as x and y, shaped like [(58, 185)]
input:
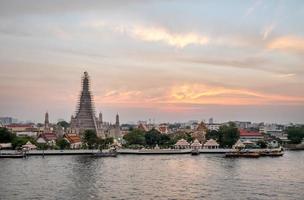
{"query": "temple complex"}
[(85, 118)]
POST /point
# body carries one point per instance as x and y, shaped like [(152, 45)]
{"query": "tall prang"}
[(85, 118)]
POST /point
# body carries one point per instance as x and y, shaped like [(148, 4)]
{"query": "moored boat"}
[(272, 153), (242, 154), (111, 153), (195, 152), (12, 155)]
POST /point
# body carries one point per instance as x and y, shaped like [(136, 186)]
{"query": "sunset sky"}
[(164, 60)]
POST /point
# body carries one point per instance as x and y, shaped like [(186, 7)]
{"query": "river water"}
[(207, 176)]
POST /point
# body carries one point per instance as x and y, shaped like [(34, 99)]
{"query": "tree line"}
[(226, 136)]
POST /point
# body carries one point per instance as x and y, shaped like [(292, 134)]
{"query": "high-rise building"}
[(85, 118)]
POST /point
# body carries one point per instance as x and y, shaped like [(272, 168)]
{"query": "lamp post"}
[(43, 144)]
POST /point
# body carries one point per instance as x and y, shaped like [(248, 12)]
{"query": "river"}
[(207, 176)]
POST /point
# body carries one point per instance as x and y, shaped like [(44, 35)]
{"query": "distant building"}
[(142, 126), (214, 126), (20, 127), (6, 120), (163, 128), (117, 128), (211, 120), (273, 130), (200, 132), (242, 125), (47, 127)]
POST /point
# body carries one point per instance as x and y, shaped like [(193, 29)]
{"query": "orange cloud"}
[(176, 97), (202, 94), (288, 43), (179, 40)]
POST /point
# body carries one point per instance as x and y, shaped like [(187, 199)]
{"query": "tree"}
[(152, 137), (136, 136), (164, 141), (90, 138), (62, 143), (63, 124), (295, 134), (229, 133), (180, 135), (17, 142), (105, 143), (213, 134), (6, 136), (262, 144)]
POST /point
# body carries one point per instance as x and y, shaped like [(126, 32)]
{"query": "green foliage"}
[(6, 136), (17, 142), (165, 141), (228, 135), (62, 143), (104, 143), (262, 144), (180, 135), (213, 134), (90, 138), (154, 137), (295, 134), (63, 124), (136, 136)]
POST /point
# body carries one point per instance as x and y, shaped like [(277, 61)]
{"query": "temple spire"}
[(85, 114), (46, 122), (117, 120)]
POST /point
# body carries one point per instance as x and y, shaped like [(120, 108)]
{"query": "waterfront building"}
[(74, 140), (182, 144), (29, 146), (238, 145), (253, 136), (211, 144), (196, 145), (6, 145), (85, 118), (47, 138)]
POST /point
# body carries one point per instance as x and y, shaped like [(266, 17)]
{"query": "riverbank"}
[(120, 151)]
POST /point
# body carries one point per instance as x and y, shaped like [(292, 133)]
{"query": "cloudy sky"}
[(164, 60)]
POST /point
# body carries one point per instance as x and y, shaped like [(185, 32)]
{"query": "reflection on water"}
[(153, 177)]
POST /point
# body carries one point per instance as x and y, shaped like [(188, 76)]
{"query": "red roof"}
[(72, 138), (20, 126), (246, 133), (49, 136)]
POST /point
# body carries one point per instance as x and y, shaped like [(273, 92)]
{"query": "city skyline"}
[(163, 60)]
